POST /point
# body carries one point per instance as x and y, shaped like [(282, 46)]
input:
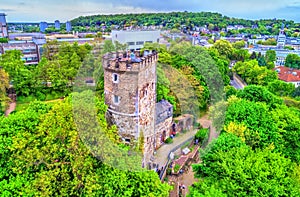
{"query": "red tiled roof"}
[(288, 74)]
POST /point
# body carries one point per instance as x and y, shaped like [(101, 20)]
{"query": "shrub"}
[(40, 96), (169, 171), (169, 140), (176, 168), (201, 134)]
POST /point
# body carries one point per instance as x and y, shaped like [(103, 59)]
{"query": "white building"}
[(281, 40), (135, 40)]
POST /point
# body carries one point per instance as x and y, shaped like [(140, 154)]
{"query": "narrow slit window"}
[(115, 78)]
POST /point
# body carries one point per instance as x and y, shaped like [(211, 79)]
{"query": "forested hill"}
[(215, 21)]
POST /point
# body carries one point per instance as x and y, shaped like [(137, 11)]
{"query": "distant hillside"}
[(214, 21)]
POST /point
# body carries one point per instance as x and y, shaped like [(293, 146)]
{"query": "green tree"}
[(287, 121), (281, 88), (108, 47), (19, 74), (261, 130), (270, 56), (259, 94), (254, 173), (224, 47), (239, 44), (42, 154), (292, 61), (4, 85), (252, 73)]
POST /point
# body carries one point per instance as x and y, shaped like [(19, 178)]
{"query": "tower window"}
[(115, 78), (116, 99)]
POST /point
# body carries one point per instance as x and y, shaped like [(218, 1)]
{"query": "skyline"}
[(36, 11)]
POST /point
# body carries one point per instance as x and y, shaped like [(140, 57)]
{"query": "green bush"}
[(176, 168), (201, 134), (169, 171), (40, 96), (169, 140), (27, 99)]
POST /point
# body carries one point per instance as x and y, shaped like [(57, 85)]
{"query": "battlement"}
[(124, 61)]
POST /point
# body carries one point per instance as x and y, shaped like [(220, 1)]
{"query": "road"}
[(162, 153), (236, 85), (11, 108)]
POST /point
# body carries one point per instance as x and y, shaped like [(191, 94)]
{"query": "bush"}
[(201, 134), (23, 99), (176, 168), (169, 140), (169, 171), (197, 125), (40, 96)]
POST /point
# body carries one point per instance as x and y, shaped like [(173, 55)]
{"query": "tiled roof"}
[(288, 74)]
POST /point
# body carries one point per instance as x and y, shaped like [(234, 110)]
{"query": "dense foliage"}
[(292, 61), (4, 84), (185, 20), (258, 151), (42, 154)]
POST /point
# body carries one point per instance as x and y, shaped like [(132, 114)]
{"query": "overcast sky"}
[(63, 10)]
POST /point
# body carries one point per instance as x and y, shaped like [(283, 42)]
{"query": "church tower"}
[(130, 94)]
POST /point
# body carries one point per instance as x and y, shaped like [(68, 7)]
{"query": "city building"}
[(43, 26), (3, 26), (57, 24), (281, 40), (281, 54), (29, 50), (135, 40), (289, 75), (68, 26)]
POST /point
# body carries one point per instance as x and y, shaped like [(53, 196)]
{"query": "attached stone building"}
[(163, 122)]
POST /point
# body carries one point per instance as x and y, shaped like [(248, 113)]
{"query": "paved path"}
[(187, 178), (162, 153), (236, 85), (11, 108)]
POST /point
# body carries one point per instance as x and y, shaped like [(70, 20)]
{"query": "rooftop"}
[(288, 74)]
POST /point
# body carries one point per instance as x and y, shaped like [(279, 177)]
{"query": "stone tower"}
[(130, 94)]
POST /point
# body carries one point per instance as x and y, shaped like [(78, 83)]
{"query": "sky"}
[(63, 10)]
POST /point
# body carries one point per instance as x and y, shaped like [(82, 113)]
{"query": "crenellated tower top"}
[(128, 61)]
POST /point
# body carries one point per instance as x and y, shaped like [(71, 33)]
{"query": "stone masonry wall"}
[(136, 90)]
